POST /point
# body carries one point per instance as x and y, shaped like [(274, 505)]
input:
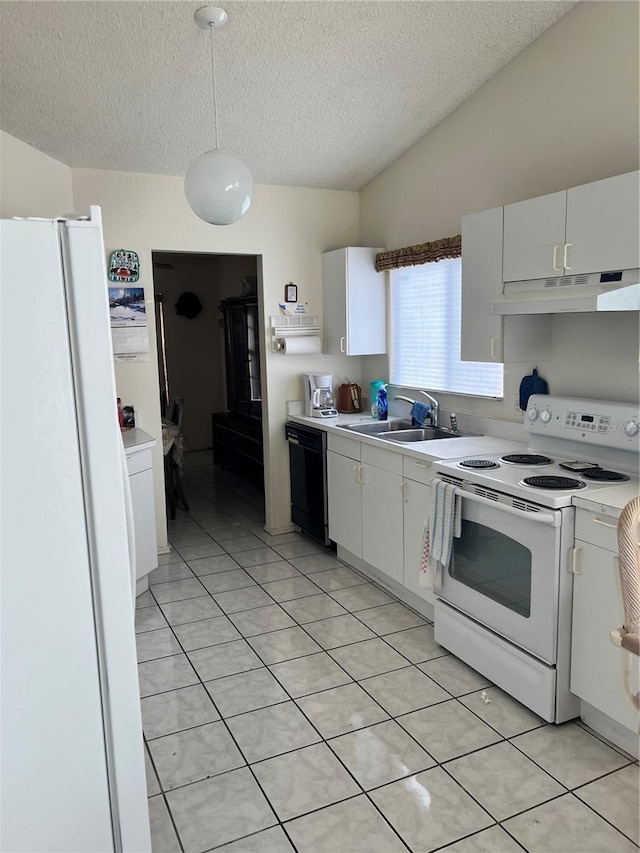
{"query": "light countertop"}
[(609, 501), (433, 450), (135, 440)]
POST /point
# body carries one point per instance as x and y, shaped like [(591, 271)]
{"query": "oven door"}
[(504, 571)]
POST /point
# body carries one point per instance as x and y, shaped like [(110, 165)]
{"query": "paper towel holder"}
[(300, 325)]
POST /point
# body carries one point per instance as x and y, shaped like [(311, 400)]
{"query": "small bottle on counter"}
[(383, 408), (373, 396)]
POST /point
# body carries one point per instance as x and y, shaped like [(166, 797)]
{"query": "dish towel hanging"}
[(419, 413), (442, 524)]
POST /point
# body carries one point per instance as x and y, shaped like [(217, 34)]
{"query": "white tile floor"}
[(289, 704)]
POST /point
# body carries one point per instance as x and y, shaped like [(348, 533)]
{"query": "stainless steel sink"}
[(401, 431), (376, 427), (424, 434)]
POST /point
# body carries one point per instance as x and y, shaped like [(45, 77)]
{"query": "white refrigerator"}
[(72, 762)]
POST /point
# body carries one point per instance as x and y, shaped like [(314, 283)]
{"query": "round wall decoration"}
[(188, 305)]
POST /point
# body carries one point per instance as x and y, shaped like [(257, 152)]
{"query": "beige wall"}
[(562, 113), (32, 183), (288, 227)]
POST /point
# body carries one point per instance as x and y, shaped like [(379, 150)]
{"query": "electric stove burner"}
[(479, 463), (605, 476), (552, 482), (526, 459)]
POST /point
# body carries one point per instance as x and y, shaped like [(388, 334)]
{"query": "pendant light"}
[(218, 187)]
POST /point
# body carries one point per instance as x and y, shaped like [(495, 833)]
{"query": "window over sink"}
[(425, 321)]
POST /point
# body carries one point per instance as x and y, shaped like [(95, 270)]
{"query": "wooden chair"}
[(177, 410), (173, 479)]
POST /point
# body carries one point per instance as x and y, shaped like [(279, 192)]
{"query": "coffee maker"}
[(318, 395)]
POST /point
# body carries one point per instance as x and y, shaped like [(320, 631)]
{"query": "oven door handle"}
[(540, 517)]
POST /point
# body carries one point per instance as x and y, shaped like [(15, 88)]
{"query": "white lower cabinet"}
[(345, 501), (416, 509), (144, 518), (378, 504), (139, 467), (382, 520), (365, 503), (417, 493), (597, 665)]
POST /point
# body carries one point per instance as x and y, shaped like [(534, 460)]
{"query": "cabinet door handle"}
[(574, 559), (356, 473), (403, 492), (556, 268), (493, 347), (342, 344), (422, 464), (564, 259), (360, 479), (597, 520)]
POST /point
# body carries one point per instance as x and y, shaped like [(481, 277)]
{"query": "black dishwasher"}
[(308, 467)]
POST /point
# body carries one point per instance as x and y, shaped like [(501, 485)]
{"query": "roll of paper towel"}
[(300, 345)]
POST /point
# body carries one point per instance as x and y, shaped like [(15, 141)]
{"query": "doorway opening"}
[(209, 353)]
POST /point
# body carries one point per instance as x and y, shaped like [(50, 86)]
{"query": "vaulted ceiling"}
[(309, 93)]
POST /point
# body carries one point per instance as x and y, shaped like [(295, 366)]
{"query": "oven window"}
[(494, 565)]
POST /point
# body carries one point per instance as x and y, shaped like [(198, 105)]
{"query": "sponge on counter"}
[(419, 413)]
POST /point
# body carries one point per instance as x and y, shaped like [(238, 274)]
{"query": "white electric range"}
[(504, 602)]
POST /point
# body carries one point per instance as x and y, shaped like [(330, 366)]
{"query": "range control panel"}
[(602, 422), (582, 421)]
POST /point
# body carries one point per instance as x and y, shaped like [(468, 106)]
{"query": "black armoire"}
[(237, 433)]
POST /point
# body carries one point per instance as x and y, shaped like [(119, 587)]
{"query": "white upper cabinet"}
[(355, 302), (481, 338), (487, 337), (534, 237), (603, 225), (586, 229)]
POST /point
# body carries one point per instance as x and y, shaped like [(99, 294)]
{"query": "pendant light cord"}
[(213, 89)]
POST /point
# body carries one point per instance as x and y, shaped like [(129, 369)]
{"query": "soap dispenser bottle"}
[(383, 408)]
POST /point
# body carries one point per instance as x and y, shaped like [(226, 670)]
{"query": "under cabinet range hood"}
[(618, 290)]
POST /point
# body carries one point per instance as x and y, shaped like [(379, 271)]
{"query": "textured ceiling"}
[(315, 94)]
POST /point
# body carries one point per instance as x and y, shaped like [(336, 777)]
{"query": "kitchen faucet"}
[(435, 409), (433, 414)]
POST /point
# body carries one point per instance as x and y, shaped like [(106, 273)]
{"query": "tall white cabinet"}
[(355, 302), (488, 337)]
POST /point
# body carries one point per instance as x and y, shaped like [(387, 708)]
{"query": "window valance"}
[(423, 253)]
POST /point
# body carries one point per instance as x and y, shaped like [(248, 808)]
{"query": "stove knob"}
[(631, 429), (545, 416), (532, 413)]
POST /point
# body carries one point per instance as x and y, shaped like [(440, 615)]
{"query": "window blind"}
[(425, 309)]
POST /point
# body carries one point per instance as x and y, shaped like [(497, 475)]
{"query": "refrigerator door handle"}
[(131, 534)]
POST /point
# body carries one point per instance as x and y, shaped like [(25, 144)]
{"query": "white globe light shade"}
[(218, 187)]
